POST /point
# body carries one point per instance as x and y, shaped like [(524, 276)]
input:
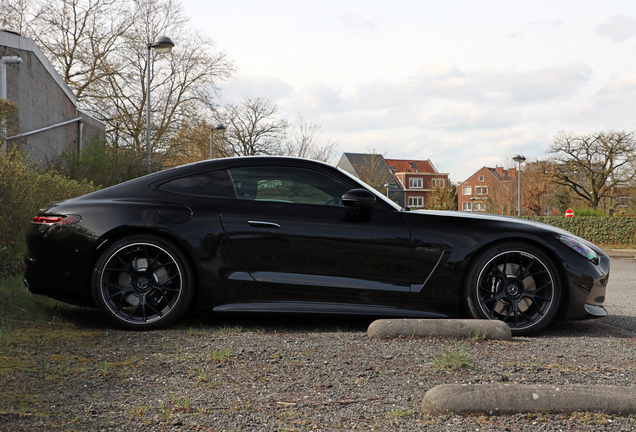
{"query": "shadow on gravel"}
[(88, 318), (283, 322), (582, 329)]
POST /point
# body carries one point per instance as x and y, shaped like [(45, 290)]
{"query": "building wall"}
[(465, 200), (43, 100), (489, 190)]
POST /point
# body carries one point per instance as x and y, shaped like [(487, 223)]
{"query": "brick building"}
[(489, 190), (49, 116), (418, 179), (411, 182)]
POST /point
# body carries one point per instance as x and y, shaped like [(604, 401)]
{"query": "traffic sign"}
[(569, 213)]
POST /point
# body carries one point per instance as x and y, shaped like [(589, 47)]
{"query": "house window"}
[(438, 182), (481, 190), (467, 206), (481, 179), (479, 206), (415, 183), (416, 202), (466, 190)]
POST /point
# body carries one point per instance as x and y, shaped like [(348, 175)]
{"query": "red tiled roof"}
[(405, 165)]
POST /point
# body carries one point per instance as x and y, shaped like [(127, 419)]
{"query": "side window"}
[(211, 183), (287, 184)]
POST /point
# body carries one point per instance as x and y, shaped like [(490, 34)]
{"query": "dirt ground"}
[(287, 374)]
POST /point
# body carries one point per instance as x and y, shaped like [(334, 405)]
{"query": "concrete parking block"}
[(443, 328), (496, 399)]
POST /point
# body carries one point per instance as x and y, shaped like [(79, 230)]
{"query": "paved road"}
[(620, 300)]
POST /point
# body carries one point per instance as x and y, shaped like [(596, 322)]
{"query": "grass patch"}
[(18, 307), (454, 359)]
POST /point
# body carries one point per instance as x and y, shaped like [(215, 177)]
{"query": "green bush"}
[(606, 231), (101, 164), (588, 212), (25, 189)]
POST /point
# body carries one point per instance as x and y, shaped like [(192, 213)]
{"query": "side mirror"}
[(358, 198)]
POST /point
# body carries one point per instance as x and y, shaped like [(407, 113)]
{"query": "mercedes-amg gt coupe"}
[(288, 235)]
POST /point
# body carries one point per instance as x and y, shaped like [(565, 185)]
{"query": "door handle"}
[(261, 224)]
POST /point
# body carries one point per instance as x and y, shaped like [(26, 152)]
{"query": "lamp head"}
[(162, 44), (519, 158)]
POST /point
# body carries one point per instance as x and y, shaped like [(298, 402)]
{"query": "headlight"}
[(579, 247)]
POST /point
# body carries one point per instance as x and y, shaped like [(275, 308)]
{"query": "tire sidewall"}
[(179, 308)]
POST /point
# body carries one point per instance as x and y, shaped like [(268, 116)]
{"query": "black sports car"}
[(274, 234)]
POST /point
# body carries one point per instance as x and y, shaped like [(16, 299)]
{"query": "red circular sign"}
[(569, 213)]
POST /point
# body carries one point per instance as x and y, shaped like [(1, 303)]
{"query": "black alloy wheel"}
[(142, 282), (516, 284)]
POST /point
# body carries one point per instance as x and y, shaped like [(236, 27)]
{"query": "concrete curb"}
[(495, 399), (621, 253), (443, 328)]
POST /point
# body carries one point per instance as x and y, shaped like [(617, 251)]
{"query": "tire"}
[(514, 283), (142, 283)]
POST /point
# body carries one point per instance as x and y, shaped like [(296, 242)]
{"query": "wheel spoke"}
[(121, 292)]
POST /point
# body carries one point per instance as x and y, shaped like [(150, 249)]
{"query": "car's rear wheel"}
[(142, 282), (514, 283)]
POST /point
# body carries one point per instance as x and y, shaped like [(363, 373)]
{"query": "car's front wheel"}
[(142, 282), (514, 283)]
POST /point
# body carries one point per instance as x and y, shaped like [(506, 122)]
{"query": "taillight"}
[(55, 220)]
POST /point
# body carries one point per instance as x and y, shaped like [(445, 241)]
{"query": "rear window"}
[(211, 183)]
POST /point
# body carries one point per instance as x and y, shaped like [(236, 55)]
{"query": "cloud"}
[(316, 97), (618, 28), (543, 25), (447, 81), (618, 98), (352, 21), (469, 117), (255, 86)]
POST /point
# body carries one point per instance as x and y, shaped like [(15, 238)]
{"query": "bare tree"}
[(372, 169), (253, 128), (304, 141), (536, 187), (81, 38), (442, 197), (100, 47), (592, 165), (17, 14)]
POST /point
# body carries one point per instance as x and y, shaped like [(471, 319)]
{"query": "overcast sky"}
[(462, 83)]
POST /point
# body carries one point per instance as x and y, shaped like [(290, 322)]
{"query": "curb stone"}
[(443, 328), (496, 399), (621, 253)]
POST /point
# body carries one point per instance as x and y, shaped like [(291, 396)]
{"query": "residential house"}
[(418, 179), (489, 190), (372, 169), (49, 117), (407, 182)]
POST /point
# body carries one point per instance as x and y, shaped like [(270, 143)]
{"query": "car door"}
[(291, 232)]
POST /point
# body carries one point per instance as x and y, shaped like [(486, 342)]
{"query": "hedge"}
[(607, 231), (23, 191)]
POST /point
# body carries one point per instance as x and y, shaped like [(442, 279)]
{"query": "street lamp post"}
[(220, 128), (519, 158), (162, 45)]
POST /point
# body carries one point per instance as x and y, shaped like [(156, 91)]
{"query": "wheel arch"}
[(167, 235)]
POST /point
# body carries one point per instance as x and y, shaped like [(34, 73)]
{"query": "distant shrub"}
[(100, 163), (25, 189), (588, 212), (618, 231)]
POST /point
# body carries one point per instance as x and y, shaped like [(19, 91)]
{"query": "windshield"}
[(375, 192)]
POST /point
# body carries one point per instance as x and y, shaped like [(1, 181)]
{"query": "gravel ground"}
[(291, 374)]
